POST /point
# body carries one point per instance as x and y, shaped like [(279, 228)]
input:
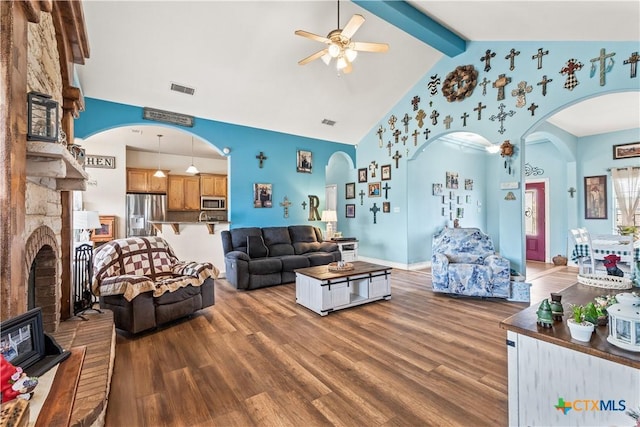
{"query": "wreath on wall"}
[(460, 83)]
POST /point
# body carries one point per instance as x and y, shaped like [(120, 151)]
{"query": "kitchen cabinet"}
[(213, 185), (183, 193), (143, 181)]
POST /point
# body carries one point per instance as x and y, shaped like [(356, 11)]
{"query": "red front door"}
[(534, 220)]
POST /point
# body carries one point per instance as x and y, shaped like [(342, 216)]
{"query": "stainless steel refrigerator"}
[(142, 208)]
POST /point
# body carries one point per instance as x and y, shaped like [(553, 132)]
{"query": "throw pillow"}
[(256, 247)]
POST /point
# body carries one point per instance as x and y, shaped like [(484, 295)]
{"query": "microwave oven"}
[(212, 203)]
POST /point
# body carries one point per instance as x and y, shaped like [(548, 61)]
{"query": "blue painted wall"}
[(245, 144)]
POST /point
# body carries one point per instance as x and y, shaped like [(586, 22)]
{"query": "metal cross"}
[(406, 120), (420, 117), (633, 60), (396, 157), (361, 194), (500, 83), (447, 121), (543, 83), (392, 122), (571, 191), (415, 101), (484, 84), (375, 209), (539, 56), (532, 108), (396, 135), (304, 205), (372, 168), (426, 134), (262, 158), (386, 189), (415, 137), (434, 117), (521, 93), (501, 116), (389, 145), (487, 59), (464, 118), (433, 84), (511, 57), (602, 59), (404, 139), (479, 109), (380, 131), (286, 203)]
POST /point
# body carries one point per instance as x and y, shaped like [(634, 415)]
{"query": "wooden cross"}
[(602, 60), (361, 194), (487, 59), (386, 188), (500, 83), (396, 135), (420, 117), (433, 84), (380, 131), (501, 116), (479, 109), (286, 203), (262, 158), (539, 56), (434, 117), (484, 84), (633, 60), (543, 83), (521, 93), (464, 118), (415, 137), (426, 134), (447, 121), (392, 122), (372, 168), (511, 57), (415, 101), (406, 120), (389, 145), (570, 69), (532, 108), (304, 205), (375, 209), (397, 157), (404, 139)]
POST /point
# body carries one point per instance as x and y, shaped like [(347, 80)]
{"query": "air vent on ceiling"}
[(182, 89), (328, 122)]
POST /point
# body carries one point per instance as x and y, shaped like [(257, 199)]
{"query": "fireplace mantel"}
[(53, 162)]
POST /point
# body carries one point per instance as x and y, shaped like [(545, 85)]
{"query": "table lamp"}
[(85, 221), (329, 217)]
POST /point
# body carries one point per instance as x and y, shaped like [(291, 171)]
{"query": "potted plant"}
[(579, 328)]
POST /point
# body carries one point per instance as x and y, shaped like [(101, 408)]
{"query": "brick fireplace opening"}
[(42, 260)]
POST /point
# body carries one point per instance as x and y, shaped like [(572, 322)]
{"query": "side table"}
[(348, 249)]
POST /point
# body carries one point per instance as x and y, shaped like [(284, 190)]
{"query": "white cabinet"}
[(348, 249)]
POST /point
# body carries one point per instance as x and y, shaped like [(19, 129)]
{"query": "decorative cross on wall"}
[(361, 194), (406, 120), (570, 69), (521, 94), (464, 118), (602, 60), (543, 83), (484, 84), (404, 139), (396, 135), (375, 209), (397, 157), (447, 121), (389, 145), (487, 59), (262, 158), (479, 109), (501, 116), (386, 189), (304, 205), (415, 101), (433, 84), (426, 134), (392, 122), (415, 137), (420, 117), (372, 168), (633, 60), (539, 56), (380, 131), (500, 83), (532, 108), (286, 203), (511, 57), (434, 117)]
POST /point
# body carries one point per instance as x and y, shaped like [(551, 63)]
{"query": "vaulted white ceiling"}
[(241, 57)]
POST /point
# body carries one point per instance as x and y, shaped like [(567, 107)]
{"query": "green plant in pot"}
[(579, 328)]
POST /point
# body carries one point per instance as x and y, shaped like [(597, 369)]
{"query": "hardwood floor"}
[(258, 359)]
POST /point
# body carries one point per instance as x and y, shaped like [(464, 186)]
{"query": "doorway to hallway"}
[(535, 220)]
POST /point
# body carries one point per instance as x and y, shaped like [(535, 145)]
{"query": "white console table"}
[(348, 249)]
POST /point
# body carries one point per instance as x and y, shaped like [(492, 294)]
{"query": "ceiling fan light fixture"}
[(351, 54), (334, 50), (342, 63), (326, 58)]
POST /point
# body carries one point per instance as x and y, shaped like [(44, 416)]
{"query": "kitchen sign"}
[(102, 162)]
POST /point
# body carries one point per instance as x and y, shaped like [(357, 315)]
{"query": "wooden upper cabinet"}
[(183, 193), (213, 185), (143, 181)]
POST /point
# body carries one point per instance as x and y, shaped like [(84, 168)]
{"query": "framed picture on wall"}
[(262, 195), (350, 210), (625, 151), (106, 232), (385, 171), (452, 180), (436, 189), (362, 175), (595, 197), (468, 184), (374, 189), (350, 190), (304, 161), (386, 207)]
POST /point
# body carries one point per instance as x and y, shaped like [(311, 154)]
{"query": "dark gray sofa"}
[(258, 257)]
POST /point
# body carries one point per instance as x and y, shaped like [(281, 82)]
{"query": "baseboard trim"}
[(401, 266)]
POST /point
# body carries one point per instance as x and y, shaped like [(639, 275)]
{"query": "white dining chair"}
[(586, 263)]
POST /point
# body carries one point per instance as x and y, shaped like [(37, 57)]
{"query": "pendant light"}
[(159, 173), (192, 169)]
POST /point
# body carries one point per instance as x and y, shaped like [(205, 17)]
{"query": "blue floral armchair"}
[(464, 262)]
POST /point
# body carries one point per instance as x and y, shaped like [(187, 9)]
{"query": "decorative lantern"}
[(42, 117), (624, 322)]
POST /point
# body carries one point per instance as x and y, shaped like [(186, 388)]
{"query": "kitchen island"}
[(555, 380), (195, 240)]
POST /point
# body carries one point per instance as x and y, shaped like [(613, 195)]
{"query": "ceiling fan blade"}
[(312, 36), (352, 26), (370, 47), (312, 57)]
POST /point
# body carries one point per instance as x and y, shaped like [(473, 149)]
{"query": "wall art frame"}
[(595, 197), (304, 161), (350, 190), (626, 151), (386, 207), (350, 210), (107, 230), (468, 184), (452, 180), (385, 172), (262, 195), (374, 189), (362, 175), (437, 189)]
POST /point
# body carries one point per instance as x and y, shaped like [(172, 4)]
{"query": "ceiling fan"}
[(340, 45)]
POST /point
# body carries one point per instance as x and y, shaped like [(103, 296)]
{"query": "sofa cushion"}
[(319, 258), (291, 262), (278, 241), (239, 237), (265, 266), (302, 233), (304, 247), (256, 247), (177, 295)]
